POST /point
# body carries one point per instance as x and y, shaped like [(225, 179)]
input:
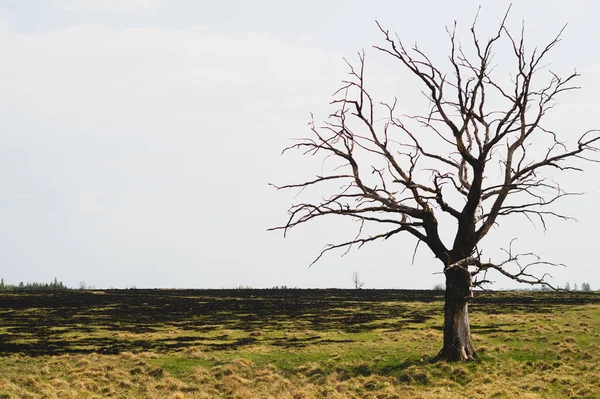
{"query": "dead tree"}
[(358, 283), (477, 156)]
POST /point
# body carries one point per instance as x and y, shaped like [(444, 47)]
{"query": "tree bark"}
[(458, 345)]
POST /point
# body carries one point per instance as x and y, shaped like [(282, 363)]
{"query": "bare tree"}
[(358, 283), (477, 156)]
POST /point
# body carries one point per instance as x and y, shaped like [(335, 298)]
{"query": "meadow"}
[(291, 343)]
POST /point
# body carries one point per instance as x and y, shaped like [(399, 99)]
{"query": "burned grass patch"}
[(293, 344), (110, 322)]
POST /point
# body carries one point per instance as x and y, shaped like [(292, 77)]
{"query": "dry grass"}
[(136, 376), (522, 355)]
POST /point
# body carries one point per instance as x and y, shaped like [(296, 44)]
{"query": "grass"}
[(214, 344)]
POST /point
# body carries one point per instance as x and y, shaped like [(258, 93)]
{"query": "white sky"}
[(139, 137)]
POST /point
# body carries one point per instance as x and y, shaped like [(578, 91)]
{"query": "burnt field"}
[(294, 344), (113, 321)]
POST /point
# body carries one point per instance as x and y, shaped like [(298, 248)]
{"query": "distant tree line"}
[(53, 285), (585, 287)]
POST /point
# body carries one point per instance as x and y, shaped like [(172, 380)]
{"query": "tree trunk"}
[(458, 345)]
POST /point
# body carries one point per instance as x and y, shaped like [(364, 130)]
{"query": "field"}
[(293, 344)]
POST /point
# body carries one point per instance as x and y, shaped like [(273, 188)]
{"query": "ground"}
[(293, 344)]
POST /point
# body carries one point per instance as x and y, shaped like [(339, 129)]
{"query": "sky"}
[(139, 138)]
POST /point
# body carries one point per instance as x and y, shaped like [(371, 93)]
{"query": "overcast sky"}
[(138, 138)]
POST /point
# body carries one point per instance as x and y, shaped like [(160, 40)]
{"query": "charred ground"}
[(115, 321)]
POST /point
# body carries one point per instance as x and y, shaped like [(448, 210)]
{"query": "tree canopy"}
[(479, 154)]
